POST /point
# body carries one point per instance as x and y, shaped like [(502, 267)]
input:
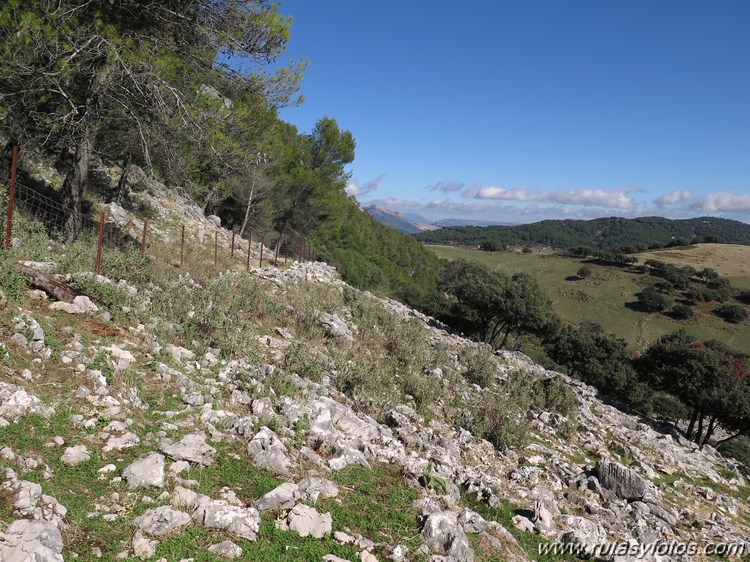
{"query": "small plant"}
[(481, 366), (433, 482)]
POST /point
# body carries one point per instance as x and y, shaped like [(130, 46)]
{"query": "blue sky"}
[(523, 110)]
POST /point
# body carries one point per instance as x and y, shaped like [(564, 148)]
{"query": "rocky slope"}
[(137, 427)]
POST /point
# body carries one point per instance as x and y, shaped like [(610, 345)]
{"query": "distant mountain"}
[(604, 233), (469, 222), (412, 223), (397, 221)]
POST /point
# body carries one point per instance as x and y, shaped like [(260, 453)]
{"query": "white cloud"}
[(618, 199), (446, 186), (723, 202), (673, 198), (356, 190)]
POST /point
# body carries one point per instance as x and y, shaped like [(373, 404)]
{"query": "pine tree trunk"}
[(72, 191)]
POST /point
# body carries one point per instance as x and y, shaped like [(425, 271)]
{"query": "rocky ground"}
[(129, 434)]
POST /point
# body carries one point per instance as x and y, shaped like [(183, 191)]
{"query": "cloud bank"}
[(617, 199)]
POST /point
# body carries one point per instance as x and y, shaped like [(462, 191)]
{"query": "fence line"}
[(155, 240)]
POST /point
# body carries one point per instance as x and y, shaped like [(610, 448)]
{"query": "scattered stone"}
[(146, 471), (443, 535), (226, 549), (15, 402), (281, 497), (192, 448), (32, 541), (218, 514), (74, 456), (307, 522), (161, 521)]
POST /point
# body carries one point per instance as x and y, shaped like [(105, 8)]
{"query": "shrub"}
[(481, 366), (668, 407), (738, 449), (682, 311), (652, 300), (733, 313), (584, 272), (554, 395)]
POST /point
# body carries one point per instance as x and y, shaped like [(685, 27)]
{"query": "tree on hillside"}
[(310, 174), (73, 70), (584, 272), (707, 377), (494, 307), (651, 300), (594, 356)]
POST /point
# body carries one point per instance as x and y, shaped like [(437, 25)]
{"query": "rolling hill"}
[(604, 233)]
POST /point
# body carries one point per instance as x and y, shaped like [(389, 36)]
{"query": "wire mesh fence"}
[(192, 246)]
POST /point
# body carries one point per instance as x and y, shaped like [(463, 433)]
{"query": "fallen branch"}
[(47, 283)]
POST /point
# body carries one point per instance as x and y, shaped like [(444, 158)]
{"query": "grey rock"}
[(268, 452), (624, 482), (74, 456), (281, 497), (146, 471), (226, 549), (336, 328), (31, 541), (192, 448), (582, 532), (15, 402), (312, 488), (239, 521), (443, 535), (307, 522), (471, 521), (161, 521)]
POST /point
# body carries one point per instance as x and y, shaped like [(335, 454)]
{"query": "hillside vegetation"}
[(253, 414), (613, 233), (604, 296), (188, 92)]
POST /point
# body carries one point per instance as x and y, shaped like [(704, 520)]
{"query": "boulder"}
[(226, 549), (281, 497), (161, 521), (219, 514), (37, 541), (307, 522), (146, 471), (268, 452), (443, 535), (623, 481), (191, 448)]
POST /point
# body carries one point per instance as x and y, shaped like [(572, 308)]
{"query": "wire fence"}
[(192, 246)]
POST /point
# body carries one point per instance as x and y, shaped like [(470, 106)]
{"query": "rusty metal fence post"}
[(249, 244), (99, 245), (11, 196), (216, 248), (262, 242), (182, 246), (234, 232), (143, 238)]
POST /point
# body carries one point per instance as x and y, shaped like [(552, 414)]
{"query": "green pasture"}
[(602, 297)]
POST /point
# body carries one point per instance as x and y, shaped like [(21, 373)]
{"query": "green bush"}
[(668, 407), (738, 449), (652, 300), (682, 311), (733, 313), (481, 365), (584, 272), (554, 395)]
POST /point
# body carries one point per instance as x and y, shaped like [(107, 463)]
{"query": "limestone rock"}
[(146, 471), (15, 402), (192, 448), (161, 521), (268, 452), (226, 549), (623, 481), (74, 456), (239, 521), (443, 535), (281, 497), (26, 541), (307, 522)]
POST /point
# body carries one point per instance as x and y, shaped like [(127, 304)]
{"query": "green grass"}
[(601, 298)]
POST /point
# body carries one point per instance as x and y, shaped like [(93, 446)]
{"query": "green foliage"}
[(491, 306), (584, 272), (682, 311), (481, 366), (738, 449), (652, 300), (733, 313), (11, 281), (594, 356), (612, 233)]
